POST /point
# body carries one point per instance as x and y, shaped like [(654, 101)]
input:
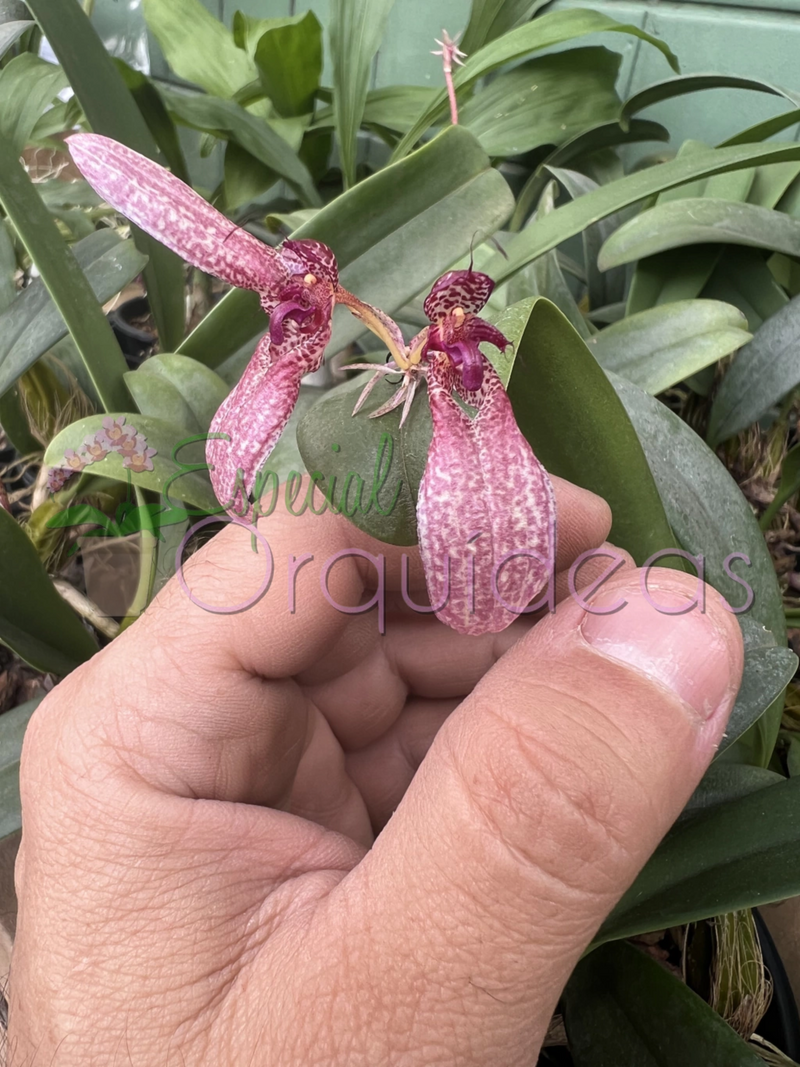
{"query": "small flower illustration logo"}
[(116, 435)]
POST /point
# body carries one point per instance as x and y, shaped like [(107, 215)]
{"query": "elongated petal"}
[(467, 289), (486, 503), (255, 413), (166, 208)]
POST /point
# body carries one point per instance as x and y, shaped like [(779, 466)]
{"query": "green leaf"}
[(178, 388), (787, 487), (655, 349), (10, 33), (370, 468), (226, 119), (392, 108), (180, 472), (112, 111), (13, 724), (712, 519), (762, 131), (8, 268), (489, 19), (736, 855), (157, 118), (33, 324), (199, 48), (693, 83), (743, 279), (621, 1006), (767, 672), (544, 101), (700, 220), (724, 782), (248, 30), (760, 375), (34, 621), (66, 282), (771, 183), (356, 29), (289, 61), (27, 85), (392, 234), (576, 425), (573, 218), (545, 32)]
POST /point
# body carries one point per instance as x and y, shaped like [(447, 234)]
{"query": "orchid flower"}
[(486, 511)]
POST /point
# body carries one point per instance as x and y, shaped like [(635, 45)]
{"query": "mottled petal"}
[(312, 256), (255, 413), (484, 499), (154, 199), (467, 289)]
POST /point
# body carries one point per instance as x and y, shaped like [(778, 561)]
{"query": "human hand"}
[(199, 877)]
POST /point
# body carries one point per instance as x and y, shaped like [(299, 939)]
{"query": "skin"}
[(270, 838)]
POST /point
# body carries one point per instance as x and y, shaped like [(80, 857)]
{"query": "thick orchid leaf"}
[(621, 1006), (544, 101), (489, 19), (68, 286), (8, 268), (655, 349), (158, 120), (289, 61), (738, 854), (13, 725), (576, 425), (180, 472), (693, 83), (551, 29), (198, 47), (393, 234), (787, 487), (27, 85), (394, 107), (226, 119), (767, 672), (762, 131), (356, 29), (724, 782), (760, 376), (573, 218), (742, 278), (10, 33), (370, 468), (700, 220), (771, 183), (34, 621), (713, 520), (112, 111), (177, 388), (33, 324), (582, 146)]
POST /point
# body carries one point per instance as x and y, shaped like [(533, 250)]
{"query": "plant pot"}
[(781, 1024), (132, 326)]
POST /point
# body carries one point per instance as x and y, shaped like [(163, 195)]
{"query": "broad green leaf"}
[(767, 672), (655, 349), (787, 487), (395, 233), (700, 220), (34, 621), (760, 375), (731, 185), (8, 267), (246, 177), (66, 282), (356, 29), (56, 193), (762, 131), (772, 182), (573, 218), (13, 724), (583, 145), (545, 32), (226, 119), (112, 111), (10, 33), (693, 83), (33, 324), (576, 425), (198, 47), (489, 19), (712, 519), (621, 1006), (736, 855), (370, 468), (166, 379), (180, 472), (289, 61), (742, 278), (395, 107), (248, 29), (155, 114), (544, 101), (670, 277), (724, 782), (27, 85)]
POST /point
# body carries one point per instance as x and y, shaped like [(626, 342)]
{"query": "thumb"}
[(540, 800)]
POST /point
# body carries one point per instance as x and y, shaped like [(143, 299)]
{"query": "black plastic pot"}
[(134, 342), (781, 1024)]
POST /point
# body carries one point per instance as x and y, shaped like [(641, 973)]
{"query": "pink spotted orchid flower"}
[(486, 512)]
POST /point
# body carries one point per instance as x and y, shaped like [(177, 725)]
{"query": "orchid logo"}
[(115, 436), (485, 502)]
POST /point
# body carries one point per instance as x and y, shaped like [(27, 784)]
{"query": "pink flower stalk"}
[(450, 53)]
